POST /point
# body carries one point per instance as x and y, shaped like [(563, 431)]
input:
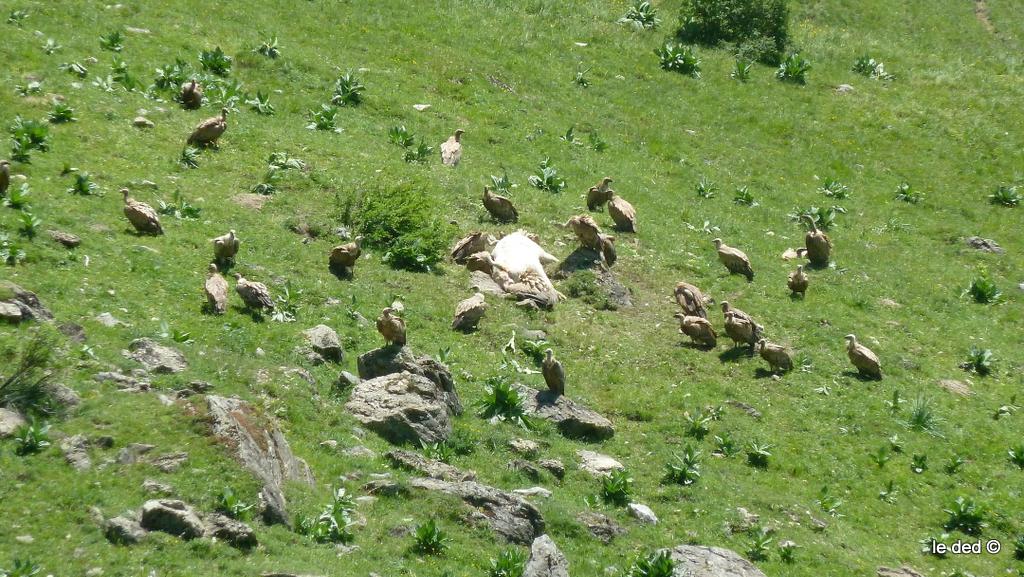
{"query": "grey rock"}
[(697, 561), (429, 467), (10, 313), (532, 334), (359, 451), (157, 488), (63, 395), (597, 464), (124, 382), (76, 452), (143, 122), (25, 539), (347, 380), (546, 560), (903, 571), (385, 488), (325, 342), (600, 526), (169, 463), (74, 332), (616, 295), (844, 88), (391, 360), (103, 442), (572, 419), (65, 238), (525, 468), (26, 301), (402, 407), (155, 357), (642, 513), (123, 531), (533, 492), (133, 453), (984, 245), (746, 408), (524, 447), (553, 466), (509, 515), (10, 420), (107, 320), (261, 448), (226, 529), (173, 517)]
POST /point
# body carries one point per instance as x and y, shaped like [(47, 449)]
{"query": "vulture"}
[(621, 212), (255, 295), (225, 247), (469, 312), (607, 245), (598, 195), (819, 247), (216, 291), (500, 207), (798, 281), (691, 300), (344, 257), (586, 230), (391, 327), (451, 149), (480, 261), (862, 358), (554, 373), (734, 260), (777, 356), (141, 215), (699, 329), (471, 244), (209, 130), (5, 176), (191, 95), (743, 325)]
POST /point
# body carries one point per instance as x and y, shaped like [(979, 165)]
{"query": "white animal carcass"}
[(516, 253)]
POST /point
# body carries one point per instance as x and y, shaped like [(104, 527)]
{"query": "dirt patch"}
[(249, 200), (956, 387), (982, 14)]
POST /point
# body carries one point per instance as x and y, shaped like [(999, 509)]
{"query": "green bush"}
[(755, 29), (401, 223)]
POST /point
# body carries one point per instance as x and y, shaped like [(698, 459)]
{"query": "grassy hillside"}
[(950, 125)]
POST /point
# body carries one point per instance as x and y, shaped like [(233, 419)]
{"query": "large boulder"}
[(546, 560), (402, 407), (155, 357), (29, 308), (10, 420), (393, 359), (572, 419), (604, 289), (697, 561), (509, 515), (324, 343), (230, 531), (261, 448), (597, 464), (430, 467), (171, 516), (123, 531), (600, 526), (76, 452)]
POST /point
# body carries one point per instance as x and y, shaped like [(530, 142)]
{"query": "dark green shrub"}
[(401, 222), (27, 387), (755, 29)]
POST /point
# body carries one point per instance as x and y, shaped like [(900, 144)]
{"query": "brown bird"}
[(586, 230), (451, 149), (471, 244), (141, 215), (500, 207), (819, 247), (699, 329), (691, 300), (255, 295), (391, 327), (225, 247), (798, 281), (598, 195), (469, 312), (607, 245), (554, 373), (209, 130), (191, 95), (779, 359), (862, 358), (621, 212), (216, 291), (344, 257), (5, 176), (734, 259), (744, 325), (480, 261)]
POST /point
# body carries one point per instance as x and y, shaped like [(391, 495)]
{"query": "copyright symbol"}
[(993, 546)]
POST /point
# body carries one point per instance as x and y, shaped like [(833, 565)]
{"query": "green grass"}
[(950, 124)]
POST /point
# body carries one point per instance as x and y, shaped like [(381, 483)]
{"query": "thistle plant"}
[(113, 41), (758, 454), (510, 563), (706, 188), (61, 113), (794, 69), (419, 153), (922, 417), (347, 90), (51, 46), (28, 224), (641, 16), (215, 61), (979, 361), (31, 438), (172, 76), (744, 197), (546, 178), (679, 58), (616, 488), (832, 188), (260, 104), (502, 402), (324, 118), (580, 79), (189, 157), (83, 185), (1004, 195), (657, 564), (76, 68), (758, 549), (871, 68), (685, 469), (502, 183), (907, 193), (269, 48), (966, 515), (400, 135), (983, 289), (741, 69), (430, 539), (18, 197)]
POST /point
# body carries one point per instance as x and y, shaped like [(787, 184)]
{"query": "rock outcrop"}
[(509, 515), (402, 407), (155, 357), (546, 560), (572, 419), (697, 561), (391, 360), (26, 302)]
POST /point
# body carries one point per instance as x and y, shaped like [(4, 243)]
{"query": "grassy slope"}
[(950, 125)]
